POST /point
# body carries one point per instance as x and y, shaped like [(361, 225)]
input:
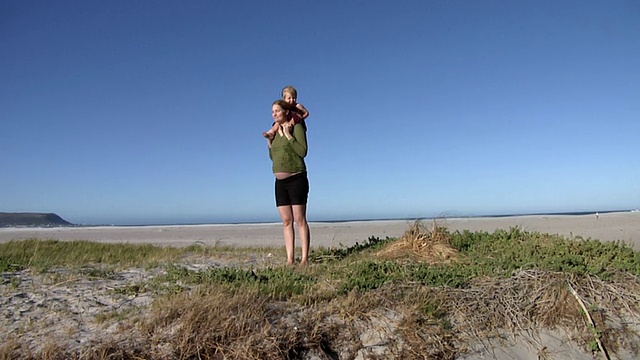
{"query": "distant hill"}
[(32, 219)]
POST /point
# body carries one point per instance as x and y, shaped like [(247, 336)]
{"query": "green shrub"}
[(368, 275), (373, 243), (7, 266), (279, 283), (504, 252)]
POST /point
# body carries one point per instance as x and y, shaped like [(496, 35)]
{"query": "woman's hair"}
[(289, 107), (291, 90), (284, 105)]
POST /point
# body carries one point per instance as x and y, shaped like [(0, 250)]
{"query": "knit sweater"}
[(288, 155)]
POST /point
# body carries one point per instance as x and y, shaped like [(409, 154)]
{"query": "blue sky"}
[(131, 112)]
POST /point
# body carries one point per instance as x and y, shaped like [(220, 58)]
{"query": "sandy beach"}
[(623, 226), (65, 312)]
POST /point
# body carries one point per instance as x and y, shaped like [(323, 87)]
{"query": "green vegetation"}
[(42, 255), (6, 266), (505, 251), (527, 270), (499, 254)]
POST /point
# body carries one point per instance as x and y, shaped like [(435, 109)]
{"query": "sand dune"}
[(77, 302)]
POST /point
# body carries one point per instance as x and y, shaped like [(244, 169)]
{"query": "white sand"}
[(607, 227)]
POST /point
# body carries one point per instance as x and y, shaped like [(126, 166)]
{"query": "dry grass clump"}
[(425, 328), (393, 318), (421, 244), (217, 324), (535, 299), (108, 349), (427, 340), (524, 301), (444, 322)]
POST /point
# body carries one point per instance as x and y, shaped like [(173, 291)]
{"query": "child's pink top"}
[(297, 119)]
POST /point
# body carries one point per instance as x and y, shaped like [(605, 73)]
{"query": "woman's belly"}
[(284, 175)]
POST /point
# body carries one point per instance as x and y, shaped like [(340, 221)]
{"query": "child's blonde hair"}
[(291, 90)]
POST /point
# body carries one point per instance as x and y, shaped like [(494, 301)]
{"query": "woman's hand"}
[(287, 128)]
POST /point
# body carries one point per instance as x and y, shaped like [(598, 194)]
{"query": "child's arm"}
[(304, 113)]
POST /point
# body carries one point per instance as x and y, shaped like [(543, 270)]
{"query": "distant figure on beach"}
[(287, 150), (298, 114)]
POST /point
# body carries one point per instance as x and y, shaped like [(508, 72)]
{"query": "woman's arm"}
[(269, 142), (297, 140)]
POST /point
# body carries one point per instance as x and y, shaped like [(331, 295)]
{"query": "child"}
[(298, 114)]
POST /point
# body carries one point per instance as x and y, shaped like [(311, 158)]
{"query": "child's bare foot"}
[(268, 135)]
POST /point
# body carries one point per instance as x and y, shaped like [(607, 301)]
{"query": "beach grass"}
[(439, 290), (41, 255)]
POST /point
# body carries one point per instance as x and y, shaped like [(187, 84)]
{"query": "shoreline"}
[(612, 226)]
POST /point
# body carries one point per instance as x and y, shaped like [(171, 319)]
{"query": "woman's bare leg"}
[(289, 233), (300, 214)]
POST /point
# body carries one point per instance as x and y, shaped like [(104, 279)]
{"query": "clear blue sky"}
[(132, 112)]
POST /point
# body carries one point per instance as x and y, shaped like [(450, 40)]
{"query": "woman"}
[(287, 151)]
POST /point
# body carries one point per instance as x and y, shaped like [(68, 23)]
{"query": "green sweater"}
[(288, 155)]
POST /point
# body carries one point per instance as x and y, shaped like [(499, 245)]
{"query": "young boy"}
[(298, 114)]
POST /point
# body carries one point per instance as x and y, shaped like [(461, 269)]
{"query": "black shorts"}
[(293, 190)]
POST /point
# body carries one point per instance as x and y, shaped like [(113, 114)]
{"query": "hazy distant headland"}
[(32, 220)]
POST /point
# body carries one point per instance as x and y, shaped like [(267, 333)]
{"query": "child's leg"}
[(272, 132)]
